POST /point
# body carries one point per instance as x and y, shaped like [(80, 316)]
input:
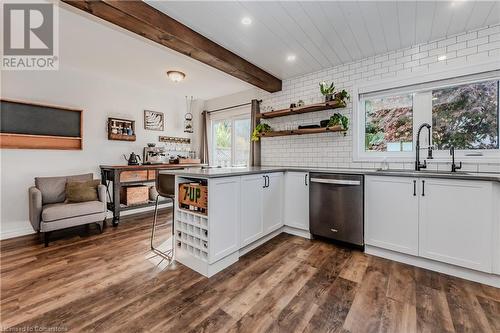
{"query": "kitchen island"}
[(249, 206)]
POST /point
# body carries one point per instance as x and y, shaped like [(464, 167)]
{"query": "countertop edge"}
[(371, 172)]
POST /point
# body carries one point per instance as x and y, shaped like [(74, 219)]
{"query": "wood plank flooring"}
[(90, 282)]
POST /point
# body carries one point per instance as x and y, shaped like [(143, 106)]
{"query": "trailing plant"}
[(342, 95), (339, 119), (260, 128)]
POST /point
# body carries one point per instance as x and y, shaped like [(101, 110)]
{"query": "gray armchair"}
[(49, 211)]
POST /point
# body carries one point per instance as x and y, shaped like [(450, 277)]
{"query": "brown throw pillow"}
[(82, 191)]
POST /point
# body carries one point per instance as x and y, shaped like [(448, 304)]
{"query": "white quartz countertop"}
[(237, 171)]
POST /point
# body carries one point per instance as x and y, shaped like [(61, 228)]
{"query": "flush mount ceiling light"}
[(246, 20), (291, 57), (441, 58), (176, 76)]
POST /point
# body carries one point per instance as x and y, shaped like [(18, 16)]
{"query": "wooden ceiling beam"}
[(144, 20)]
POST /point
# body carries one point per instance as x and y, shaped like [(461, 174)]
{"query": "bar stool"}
[(165, 185)]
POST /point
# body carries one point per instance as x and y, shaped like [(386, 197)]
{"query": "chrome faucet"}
[(418, 165), (454, 167)]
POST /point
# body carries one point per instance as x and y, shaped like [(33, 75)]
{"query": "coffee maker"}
[(155, 155)]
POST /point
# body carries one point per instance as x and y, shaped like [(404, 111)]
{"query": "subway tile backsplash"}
[(335, 149)]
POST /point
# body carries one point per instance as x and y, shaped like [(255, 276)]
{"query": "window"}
[(389, 123), (231, 141), (466, 116), (462, 110)]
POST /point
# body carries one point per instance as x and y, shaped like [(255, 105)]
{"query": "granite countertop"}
[(241, 171)]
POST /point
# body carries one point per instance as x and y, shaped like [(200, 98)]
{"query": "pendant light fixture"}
[(188, 118)]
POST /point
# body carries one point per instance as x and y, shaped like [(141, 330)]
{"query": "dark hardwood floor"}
[(86, 281)]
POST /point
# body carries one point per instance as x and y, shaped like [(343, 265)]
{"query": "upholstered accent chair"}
[(49, 211)]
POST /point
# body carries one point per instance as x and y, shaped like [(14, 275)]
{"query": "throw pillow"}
[(82, 191)]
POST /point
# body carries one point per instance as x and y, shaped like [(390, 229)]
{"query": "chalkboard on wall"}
[(36, 126)]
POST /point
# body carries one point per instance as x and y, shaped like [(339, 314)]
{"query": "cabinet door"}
[(391, 213), (273, 202), (456, 222), (223, 210), (296, 205), (251, 223)]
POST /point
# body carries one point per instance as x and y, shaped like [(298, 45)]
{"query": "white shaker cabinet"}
[(273, 202), (223, 214), (251, 212), (446, 220), (296, 211), (391, 213), (456, 222)]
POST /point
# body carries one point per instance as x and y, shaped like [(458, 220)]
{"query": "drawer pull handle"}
[(334, 230)]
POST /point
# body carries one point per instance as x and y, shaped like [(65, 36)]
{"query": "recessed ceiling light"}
[(441, 58), (291, 57), (176, 76), (246, 20)]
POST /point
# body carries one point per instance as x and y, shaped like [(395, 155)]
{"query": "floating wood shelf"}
[(303, 109), (302, 131)]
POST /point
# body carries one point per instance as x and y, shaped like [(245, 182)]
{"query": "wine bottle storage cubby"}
[(192, 234)]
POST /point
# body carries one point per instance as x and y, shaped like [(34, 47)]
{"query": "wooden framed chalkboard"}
[(26, 125)]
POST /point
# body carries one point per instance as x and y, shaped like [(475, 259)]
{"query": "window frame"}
[(232, 116), (421, 96)]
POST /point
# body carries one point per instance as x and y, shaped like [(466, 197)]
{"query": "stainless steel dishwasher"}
[(336, 207)]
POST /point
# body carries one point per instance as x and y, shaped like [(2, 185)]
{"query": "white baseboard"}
[(461, 272), (297, 232), (23, 228)]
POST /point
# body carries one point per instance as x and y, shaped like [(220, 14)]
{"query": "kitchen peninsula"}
[(249, 206)]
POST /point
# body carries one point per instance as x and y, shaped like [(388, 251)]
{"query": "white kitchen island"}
[(246, 208)]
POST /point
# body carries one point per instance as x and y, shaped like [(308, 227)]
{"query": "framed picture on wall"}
[(154, 121)]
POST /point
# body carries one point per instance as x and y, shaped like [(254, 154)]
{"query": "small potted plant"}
[(259, 129), (342, 96), (327, 90), (339, 119)]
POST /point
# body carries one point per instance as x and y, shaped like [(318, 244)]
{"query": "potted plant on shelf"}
[(259, 129), (327, 90), (342, 96), (339, 119)]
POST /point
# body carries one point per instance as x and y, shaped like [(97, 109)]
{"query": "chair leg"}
[(153, 230), (46, 236), (100, 226)]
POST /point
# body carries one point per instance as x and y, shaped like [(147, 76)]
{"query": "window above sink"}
[(463, 108)]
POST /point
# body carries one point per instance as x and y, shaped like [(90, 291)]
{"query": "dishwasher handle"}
[(336, 181)]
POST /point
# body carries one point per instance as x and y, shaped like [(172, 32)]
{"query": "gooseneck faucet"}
[(418, 165), (454, 167)]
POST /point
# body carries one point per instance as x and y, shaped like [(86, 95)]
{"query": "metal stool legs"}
[(169, 255)]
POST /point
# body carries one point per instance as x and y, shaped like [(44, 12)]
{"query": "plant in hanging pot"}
[(259, 129), (342, 96), (327, 90)]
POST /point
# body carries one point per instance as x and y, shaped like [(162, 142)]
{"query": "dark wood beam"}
[(146, 21)]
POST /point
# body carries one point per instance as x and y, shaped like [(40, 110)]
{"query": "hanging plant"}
[(260, 128)]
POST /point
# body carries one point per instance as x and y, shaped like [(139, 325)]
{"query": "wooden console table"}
[(116, 176)]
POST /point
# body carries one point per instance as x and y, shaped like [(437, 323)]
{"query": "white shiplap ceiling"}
[(324, 34)]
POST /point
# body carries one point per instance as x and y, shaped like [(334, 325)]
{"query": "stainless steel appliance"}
[(155, 155), (336, 207)]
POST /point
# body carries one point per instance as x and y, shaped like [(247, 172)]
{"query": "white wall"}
[(335, 150), (99, 97)]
